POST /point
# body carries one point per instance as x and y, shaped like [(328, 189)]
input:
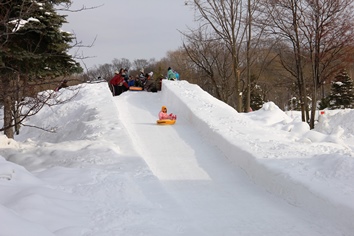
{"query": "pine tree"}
[(36, 45), (32, 48), (342, 94), (256, 98)]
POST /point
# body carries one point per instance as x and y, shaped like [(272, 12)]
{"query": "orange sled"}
[(134, 88), (165, 122)]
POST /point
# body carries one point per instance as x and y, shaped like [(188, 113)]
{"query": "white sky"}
[(132, 29), (111, 170)]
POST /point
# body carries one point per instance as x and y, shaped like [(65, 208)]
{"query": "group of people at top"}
[(122, 81), (143, 80)]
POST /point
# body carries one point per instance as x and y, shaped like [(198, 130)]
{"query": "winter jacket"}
[(118, 80), (165, 116), (171, 75), (177, 75)]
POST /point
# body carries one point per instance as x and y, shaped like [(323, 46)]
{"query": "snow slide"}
[(192, 159)]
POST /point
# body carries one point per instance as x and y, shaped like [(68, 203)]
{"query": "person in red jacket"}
[(118, 83)]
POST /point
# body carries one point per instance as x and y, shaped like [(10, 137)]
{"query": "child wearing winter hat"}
[(164, 116)]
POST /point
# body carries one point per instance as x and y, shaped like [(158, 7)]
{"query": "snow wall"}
[(187, 104)]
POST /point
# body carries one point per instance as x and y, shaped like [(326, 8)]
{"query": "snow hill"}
[(110, 170)]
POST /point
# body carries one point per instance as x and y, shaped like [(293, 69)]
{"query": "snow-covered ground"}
[(110, 170)]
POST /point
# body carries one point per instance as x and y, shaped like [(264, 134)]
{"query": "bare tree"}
[(320, 33), (226, 19), (282, 19), (329, 31), (121, 63), (140, 63), (212, 60), (105, 71)]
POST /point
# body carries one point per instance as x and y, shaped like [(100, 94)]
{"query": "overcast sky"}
[(132, 29)]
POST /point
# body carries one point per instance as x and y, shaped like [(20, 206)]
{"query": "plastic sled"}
[(135, 88), (165, 122)]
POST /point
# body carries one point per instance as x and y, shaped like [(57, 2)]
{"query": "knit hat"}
[(163, 107)]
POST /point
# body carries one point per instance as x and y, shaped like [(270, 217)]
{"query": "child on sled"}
[(164, 116)]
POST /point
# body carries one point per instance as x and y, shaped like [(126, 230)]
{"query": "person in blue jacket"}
[(170, 74), (177, 75)]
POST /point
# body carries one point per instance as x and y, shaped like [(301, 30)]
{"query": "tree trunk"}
[(9, 132), (17, 118), (248, 94), (15, 107), (237, 87), (313, 108)]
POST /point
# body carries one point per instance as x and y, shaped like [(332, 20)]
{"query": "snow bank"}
[(312, 169), (25, 199), (338, 123), (6, 142), (279, 159)]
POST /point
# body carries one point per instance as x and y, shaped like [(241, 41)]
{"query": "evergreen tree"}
[(324, 103), (256, 98), (32, 48), (36, 45), (342, 94)]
